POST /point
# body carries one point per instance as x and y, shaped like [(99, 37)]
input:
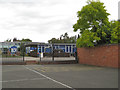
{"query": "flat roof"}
[(9, 44), (35, 44)]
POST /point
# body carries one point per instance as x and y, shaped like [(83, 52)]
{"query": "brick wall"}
[(106, 55)]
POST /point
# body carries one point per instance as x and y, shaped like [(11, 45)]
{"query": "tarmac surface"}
[(68, 76)]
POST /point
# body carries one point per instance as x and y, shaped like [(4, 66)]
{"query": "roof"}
[(35, 44), (10, 44)]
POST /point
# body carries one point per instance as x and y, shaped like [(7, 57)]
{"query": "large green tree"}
[(93, 24)]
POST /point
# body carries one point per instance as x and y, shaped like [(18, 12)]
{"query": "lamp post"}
[(53, 51), (40, 51), (52, 48), (23, 51)]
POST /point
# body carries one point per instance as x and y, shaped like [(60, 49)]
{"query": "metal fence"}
[(49, 52), (16, 52)]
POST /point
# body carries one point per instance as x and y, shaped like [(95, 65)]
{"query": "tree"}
[(8, 40), (53, 40), (93, 24), (14, 39), (26, 40), (87, 39), (64, 38), (66, 35), (61, 36), (23, 40), (115, 32)]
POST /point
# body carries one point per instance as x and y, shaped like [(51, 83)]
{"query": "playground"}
[(69, 76)]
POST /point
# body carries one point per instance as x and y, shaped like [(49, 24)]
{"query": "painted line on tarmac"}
[(50, 78), (22, 80)]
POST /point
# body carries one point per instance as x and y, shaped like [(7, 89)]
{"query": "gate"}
[(42, 52), (23, 52)]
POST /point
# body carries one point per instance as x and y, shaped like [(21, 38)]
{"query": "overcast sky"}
[(41, 20)]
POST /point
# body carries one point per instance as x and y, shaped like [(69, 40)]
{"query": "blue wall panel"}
[(70, 49), (42, 49), (67, 49)]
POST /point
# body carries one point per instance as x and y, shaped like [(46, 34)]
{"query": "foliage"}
[(53, 40), (17, 40), (8, 40), (64, 38), (115, 32), (26, 40), (87, 39), (93, 25)]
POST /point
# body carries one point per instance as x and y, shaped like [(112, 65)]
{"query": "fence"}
[(17, 52)]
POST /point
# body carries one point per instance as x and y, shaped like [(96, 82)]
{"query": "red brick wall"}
[(106, 55)]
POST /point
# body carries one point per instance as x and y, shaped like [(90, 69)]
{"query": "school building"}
[(39, 47), (47, 47)]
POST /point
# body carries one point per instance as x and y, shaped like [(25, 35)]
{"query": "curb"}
[(41, 63)]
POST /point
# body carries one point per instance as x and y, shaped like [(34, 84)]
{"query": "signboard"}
[(13, 49)]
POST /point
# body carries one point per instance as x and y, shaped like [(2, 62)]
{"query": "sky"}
[(41, 20)]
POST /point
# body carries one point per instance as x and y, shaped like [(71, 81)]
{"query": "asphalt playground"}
[(69, 76)]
